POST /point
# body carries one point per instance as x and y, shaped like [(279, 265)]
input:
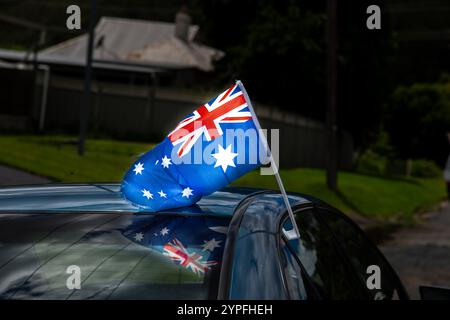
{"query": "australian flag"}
[(195, 243), (211, 147)]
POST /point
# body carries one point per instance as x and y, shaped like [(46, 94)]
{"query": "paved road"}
[(421, 255), (10, 176)]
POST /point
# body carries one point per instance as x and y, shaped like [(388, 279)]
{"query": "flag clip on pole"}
[(289, 233)]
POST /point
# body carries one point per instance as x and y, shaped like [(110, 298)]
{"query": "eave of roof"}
[(131, 66)]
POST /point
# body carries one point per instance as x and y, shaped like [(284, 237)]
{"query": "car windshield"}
[(110, 256)]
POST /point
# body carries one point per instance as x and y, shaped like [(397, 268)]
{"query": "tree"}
[(419, 120), (282, 59)]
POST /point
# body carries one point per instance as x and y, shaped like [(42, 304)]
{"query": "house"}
[(139, 67), (162, 45), (135, 62)]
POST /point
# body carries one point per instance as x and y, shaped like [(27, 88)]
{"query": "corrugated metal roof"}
[(145, 41), (175, 52)]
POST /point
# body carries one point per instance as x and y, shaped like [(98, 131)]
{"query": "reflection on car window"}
[(318, 254), (120, 256), (362, 255), (293, 274)]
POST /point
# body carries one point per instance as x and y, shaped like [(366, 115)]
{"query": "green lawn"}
[(394, 199), (107, 160), (56, 157)]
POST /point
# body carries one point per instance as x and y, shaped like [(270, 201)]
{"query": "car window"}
[(119, 256), (293, 274), (321, 260), (362, 255), (255, 269)]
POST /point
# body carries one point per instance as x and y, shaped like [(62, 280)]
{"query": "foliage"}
[(380, 159), (419, 119), (383, 145), (372, 163), (377, 157), (423, 168), (278, 48), (284, 51), (366, 70)]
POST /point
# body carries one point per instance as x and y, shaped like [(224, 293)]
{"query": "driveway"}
[(421, 255), (11, 176)]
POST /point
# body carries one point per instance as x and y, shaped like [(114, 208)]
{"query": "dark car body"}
[(234, 244)]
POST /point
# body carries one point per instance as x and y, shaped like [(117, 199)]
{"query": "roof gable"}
[(120, 36), (124, 39)]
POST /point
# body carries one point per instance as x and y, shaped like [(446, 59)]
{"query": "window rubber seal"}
[(228, 254)]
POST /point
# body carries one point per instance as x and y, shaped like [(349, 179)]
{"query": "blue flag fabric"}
[(211, 147)]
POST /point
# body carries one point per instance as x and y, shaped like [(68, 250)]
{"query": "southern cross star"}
[(166, 162), (211, 244), (224, 158), (138, 168), (147, 194), (162, 194), (138, 236), (187, 192), (164, 231)]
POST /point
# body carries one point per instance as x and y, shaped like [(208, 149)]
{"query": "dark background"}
[(393, 84)]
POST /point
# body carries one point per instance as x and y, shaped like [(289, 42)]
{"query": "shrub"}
[(418, 119), (371, 162), (423, 168)]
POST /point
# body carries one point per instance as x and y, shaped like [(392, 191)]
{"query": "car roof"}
[(107, 197)]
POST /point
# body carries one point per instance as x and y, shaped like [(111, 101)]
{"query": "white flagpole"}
[(272, 161)]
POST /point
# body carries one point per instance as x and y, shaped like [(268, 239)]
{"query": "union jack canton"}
[(229, 107)]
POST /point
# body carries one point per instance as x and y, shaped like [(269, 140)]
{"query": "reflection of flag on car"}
[(195, 243), (213, 146), (178, 252)]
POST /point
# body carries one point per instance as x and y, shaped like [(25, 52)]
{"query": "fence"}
[(133, 112)]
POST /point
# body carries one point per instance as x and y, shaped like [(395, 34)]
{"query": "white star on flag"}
[(138, 168), (138, 236), (211, 244), (164, 231), (147, 194), (162, 194), (166, 162), (224, 158), (187, 192)]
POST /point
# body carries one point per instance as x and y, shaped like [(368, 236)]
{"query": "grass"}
[(56, 157), (370, 196), (107, 160)]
